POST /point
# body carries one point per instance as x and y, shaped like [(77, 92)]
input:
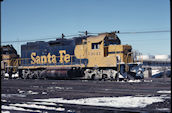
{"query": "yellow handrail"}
[(126, 62)]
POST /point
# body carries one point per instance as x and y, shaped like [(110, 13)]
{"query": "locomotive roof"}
[(77, 40), (104, 36)]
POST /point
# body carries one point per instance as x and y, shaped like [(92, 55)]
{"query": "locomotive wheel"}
[(30, 76), (24, 76), (104, 77), (117, 77), (36, 75), (131, 75), (93, 77)]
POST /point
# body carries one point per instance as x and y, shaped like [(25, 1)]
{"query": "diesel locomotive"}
[(85, 57)]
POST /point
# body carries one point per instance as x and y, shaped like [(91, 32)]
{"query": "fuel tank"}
[(62, 73), (56, 73)]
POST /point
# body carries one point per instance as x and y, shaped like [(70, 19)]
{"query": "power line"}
[(15, 41), (26, 40), (132, 32), (144, 32), (140, 32)]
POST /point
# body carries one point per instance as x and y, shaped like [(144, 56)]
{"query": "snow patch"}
[(42, 103), (125, 102), (3, 100), (164, 91), (60, 88), (155, 72), (163, 109), (31, 92), (28, 92), (12, 95), (108, 89), (147, 80), (33, 105), (44, 93), (20, 91), (5, 111), (28, 106), (17, 108), (134, 81)]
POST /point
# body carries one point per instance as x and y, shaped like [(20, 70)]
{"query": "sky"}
[(41, 19)]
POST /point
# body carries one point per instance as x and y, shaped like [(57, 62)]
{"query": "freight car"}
[(84, 57)]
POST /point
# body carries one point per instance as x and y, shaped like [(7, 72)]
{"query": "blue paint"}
[(42, 48)]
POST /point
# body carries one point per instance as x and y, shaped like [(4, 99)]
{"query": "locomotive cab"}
[(104, 50), (106, 54)]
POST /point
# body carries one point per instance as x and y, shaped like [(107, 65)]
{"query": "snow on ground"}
[(5, 111), (30, 105), (22, 94), (147, 80), (27, 92), (163, 109), (3, 100), (118, 102), (44, 93), (134, 81), (155, 71), (12, 95), (31, 92), (17, 108), (126, 101), (42, 103), (164, 91), (60, 88), (20, 91)]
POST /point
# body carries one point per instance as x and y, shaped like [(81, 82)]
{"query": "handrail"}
[(126, 62)]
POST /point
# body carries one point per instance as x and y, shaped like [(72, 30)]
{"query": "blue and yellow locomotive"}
[(85, 57)]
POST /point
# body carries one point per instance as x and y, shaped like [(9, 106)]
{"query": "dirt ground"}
[(18, 91)]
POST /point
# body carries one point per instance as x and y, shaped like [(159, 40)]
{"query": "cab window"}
[(95, 46)]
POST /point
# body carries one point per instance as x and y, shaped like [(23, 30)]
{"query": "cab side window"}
[(95, 46)]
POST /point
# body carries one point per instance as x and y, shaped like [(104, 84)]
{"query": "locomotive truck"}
[(85, 57)]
